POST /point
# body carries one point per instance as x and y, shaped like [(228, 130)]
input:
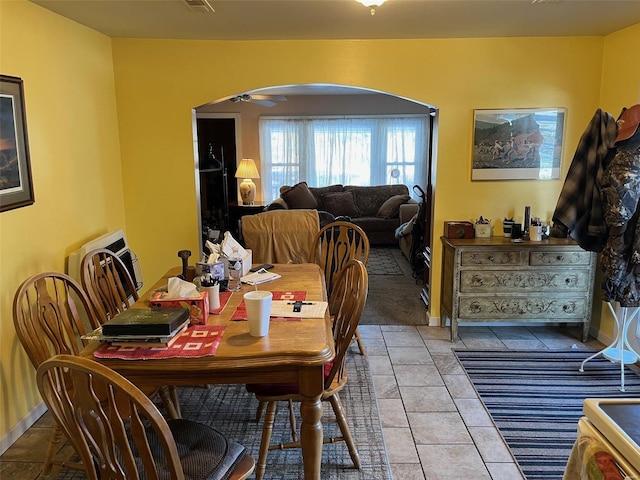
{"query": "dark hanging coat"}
[(620, 258), (579, 211)]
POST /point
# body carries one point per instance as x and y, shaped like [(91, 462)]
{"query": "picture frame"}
[(517, 144), (16, 185)]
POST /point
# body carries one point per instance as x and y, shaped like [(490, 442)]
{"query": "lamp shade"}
[(371, 3), (247, 169)]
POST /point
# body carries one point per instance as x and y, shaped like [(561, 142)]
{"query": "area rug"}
[(535, 399), (382, 262), (231, 410), (394, 299)]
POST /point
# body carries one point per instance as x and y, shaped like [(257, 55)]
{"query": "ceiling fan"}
[(264, 100)]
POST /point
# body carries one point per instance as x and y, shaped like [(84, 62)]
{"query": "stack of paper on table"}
[(285, 308)]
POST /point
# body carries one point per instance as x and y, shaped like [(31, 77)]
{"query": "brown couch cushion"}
[(341, 204), (391, 207), (299, 196), (370, 199), (320, 192)]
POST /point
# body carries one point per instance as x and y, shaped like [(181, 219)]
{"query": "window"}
[(358, 150)]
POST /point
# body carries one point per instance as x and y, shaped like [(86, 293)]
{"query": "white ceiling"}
[(342, 19)]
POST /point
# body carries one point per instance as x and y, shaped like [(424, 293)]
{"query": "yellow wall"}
[(73, 139), (76, 149), (158, 82)]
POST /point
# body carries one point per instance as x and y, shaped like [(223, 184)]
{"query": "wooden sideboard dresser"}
[(494, 279)]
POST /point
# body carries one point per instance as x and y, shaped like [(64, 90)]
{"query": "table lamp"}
[(247, 170)]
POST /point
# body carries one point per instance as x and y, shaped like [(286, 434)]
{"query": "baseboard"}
[(23, 425), (602, 338), (433, 321)]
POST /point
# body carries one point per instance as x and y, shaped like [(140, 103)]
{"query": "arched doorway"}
[(238, 115)]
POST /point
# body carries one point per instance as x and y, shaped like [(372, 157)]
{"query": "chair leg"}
[(267, 429), (344, 428), (167, 401), (363, 350), (292, 421), (175, 399), (260, 410), (52, 450)]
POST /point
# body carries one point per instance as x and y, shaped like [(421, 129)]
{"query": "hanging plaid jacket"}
[(579, 211)]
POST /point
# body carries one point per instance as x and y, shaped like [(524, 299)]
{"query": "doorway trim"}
[(236, 117)]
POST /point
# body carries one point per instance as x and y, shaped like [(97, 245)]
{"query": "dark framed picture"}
[(517, 144), (16, 187)]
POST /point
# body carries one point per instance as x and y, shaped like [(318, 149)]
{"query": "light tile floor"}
[(434, 425)]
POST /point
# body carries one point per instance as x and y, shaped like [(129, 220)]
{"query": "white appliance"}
[(117, 243), (616, 423)]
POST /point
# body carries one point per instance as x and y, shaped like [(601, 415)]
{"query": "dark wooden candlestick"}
[(184, 255)]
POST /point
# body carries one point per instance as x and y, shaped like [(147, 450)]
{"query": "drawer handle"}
[(491, 258), (560, 258)]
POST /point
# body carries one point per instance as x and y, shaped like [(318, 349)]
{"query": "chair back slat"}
[(349, 297), (336, 244), (108, 283)]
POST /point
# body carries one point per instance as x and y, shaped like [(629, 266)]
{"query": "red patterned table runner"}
[(241, 309), (196, 341)]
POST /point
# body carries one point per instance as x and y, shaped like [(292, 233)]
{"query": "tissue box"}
[(198, 307)]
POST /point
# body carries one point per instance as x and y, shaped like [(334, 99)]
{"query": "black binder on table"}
[(146, 321)]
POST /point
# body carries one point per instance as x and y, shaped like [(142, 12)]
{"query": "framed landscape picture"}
[(517, 144), (16, 189)]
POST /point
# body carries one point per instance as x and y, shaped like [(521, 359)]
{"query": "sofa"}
[(375, 209)]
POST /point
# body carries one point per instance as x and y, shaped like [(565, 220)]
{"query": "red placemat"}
[(241, 309), (224, 298), (196, 341)]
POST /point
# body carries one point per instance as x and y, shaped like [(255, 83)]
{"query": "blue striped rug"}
[(535, 398)]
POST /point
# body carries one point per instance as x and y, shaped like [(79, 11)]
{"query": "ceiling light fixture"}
[(372, 4)]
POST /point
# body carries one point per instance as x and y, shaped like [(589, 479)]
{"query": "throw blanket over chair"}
[(124, 435), (281, 236)]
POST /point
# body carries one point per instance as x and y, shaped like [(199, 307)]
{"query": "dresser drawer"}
[(522, 280), (491, 257), (559, 258), (529, 307)]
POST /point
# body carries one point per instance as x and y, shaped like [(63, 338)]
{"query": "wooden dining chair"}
[(336, 244), (124, 435), (352, 285), (111, 291), (50, 313)]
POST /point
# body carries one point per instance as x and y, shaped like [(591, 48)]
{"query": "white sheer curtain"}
[(358, 150)]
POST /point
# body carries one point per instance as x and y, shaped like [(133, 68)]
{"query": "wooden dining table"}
[(292, 351)]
